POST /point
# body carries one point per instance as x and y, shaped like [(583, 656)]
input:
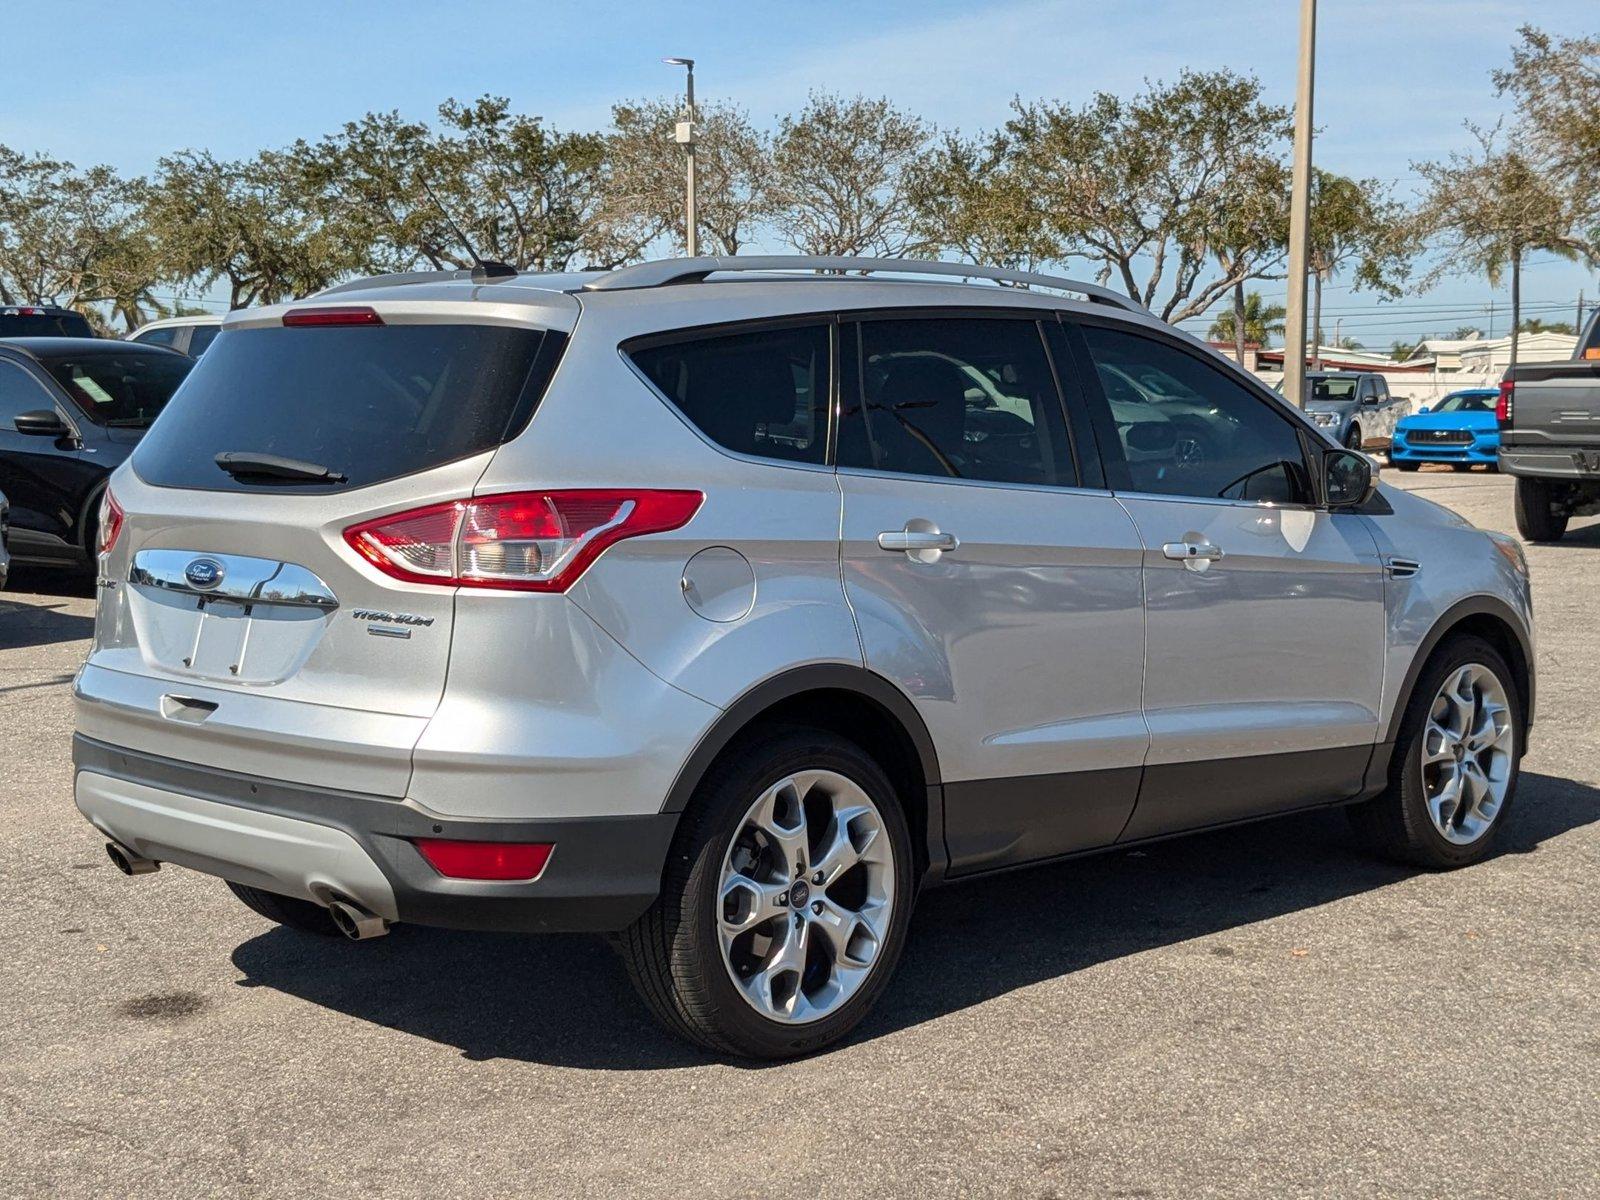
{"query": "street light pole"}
[(1294, 350), (684, 136)]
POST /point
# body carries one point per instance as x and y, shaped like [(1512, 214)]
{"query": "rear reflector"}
[(524, 541), (111, 518), (349, 314), (1505, 405), (486, 860)]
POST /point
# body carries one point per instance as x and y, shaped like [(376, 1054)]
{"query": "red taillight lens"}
[(486, 860), (111, 518), (346, 314), (525, 541), (1503, 406)]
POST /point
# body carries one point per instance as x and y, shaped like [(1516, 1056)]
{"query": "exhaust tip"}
[(130, 862), (355, 922)]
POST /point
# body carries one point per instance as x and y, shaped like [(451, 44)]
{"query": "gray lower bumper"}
[(1552, 462), (319, 843)]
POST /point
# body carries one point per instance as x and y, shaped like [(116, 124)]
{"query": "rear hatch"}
[(236, 625)]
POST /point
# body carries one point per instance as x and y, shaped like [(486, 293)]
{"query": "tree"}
[(1466, 332), (645, 175), (1555, 84), (77, 238), (247, 222), (1400, 351), (1537, 325), (1353, 222), (967, 197), (1147, 187), (841, 177), (1489, 209), (1261, 321)]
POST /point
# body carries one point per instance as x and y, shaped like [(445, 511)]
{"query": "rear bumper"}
[(319, 844), (1552, 462)]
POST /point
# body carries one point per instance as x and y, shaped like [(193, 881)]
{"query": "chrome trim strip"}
[(247, 581)]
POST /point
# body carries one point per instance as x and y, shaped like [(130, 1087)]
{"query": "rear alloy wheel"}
[(785, 902), (1455, 763), (1538, 518)]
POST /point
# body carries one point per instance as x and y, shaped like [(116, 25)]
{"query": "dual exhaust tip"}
[(355, 922)]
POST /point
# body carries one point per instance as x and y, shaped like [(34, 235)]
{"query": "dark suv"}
[(71, 409), (42, 320)]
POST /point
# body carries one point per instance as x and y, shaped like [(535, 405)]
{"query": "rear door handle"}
[(923, 545)]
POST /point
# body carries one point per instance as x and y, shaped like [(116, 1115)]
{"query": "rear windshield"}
[(1333, 389), (369, 403), (127, 389), (14, 324)]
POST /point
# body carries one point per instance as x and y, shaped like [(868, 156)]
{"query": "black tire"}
[(1405, 464), (1461, 466), (287, 910), (1352, 438), (1537, 517), (673, 954), (1396, 824)]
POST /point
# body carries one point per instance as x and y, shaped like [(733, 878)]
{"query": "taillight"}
[(110, 522), (486, 860), (1503, 406), (341, 314), (525, 541)]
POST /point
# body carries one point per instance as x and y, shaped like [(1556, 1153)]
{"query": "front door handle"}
[(921, 541), (1195, 555)]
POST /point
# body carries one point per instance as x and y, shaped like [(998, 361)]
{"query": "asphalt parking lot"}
[(1261, 1011)]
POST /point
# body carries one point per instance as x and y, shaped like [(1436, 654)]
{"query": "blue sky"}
[(1396, 78)]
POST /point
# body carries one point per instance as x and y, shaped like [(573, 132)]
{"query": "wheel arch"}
[(1497, 623), (855, 703)]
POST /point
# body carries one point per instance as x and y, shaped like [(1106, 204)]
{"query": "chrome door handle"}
[(923, 545), (1191, 551)]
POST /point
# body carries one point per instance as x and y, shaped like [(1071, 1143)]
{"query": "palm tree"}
[(1261, 321)]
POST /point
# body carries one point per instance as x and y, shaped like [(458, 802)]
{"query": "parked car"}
[(1460, 431), (5, 540), (42, 320), (721, 619), (187, 335), (71, 410), (1549, 419), (1354, 407)]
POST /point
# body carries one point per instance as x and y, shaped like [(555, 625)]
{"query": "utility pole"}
[(684, 136), (1577, 326), (1294, 350)]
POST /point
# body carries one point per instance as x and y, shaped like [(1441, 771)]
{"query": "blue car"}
[(1460, 431)]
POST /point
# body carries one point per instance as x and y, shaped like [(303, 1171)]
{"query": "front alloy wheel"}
[(1466, 754)]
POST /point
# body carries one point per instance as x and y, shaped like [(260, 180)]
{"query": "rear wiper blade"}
[(243, 464)]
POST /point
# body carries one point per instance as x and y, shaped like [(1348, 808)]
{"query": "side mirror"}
[(1422, 410), (1348, 478), (42, 422)]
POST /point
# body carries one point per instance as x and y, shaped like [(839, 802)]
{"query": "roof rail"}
[(694, 270)]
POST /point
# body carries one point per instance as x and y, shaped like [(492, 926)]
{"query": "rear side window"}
[(200, 337), (158, 337), (763, 392), (369, 403), (128, 389), (965, 398)]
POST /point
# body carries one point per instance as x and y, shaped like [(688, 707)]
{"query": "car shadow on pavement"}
[(566, 1000), (24, 625)]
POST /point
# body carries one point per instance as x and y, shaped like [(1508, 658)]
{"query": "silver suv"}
[(721, 605)]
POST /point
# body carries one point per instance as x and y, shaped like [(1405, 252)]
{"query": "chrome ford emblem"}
[(203, 574)]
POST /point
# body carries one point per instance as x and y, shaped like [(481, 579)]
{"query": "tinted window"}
[(17, 324), (1202, 435), (764, 392), (19, 393), (968, 398), (158, 337), (370, 403), (1465, 402), (128, 389), (200, 337), (1332, 389)]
